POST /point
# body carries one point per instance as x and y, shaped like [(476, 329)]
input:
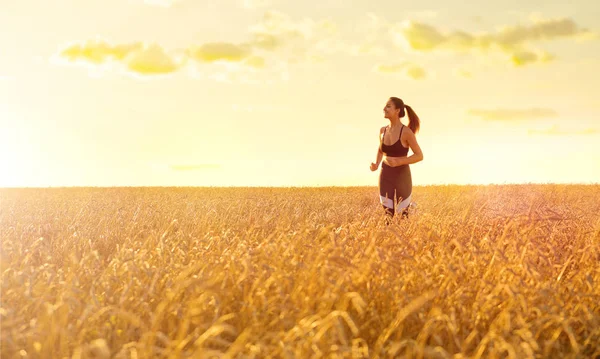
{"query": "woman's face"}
[(390, 110)]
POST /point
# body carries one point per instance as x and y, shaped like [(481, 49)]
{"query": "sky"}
[(291, 93)]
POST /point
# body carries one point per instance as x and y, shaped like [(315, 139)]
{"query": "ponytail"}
[(413, 120)]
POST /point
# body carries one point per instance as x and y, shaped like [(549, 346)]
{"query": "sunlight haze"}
[(281, 93)]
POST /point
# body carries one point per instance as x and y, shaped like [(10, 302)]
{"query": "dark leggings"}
[(395, 189)]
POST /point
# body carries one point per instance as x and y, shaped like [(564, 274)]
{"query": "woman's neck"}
[(395, 123)]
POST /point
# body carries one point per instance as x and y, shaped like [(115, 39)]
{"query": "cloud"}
[(219, 51), (521, 58), (512, 40), (425, 37), (276, 40), (279, 25), (409, 69), (555, 131), (138, 58), (422, 37), (513, 114), (416, 72), (302, 39), (375, 32), (151, 60), (97, 51)]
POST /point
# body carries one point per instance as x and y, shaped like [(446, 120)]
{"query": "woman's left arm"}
[(417, 155)]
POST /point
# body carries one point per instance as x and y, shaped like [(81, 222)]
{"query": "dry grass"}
[(496, 271)]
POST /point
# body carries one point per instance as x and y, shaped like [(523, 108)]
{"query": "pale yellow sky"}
[(278, 93)]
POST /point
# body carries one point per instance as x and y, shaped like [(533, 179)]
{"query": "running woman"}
[(395, 180)]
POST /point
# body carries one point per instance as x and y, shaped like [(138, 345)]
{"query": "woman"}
[(395, 181)]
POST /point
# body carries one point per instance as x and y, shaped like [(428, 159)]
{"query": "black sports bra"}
[(395, 150)]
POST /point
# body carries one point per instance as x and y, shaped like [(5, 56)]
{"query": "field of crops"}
[(507, 271)]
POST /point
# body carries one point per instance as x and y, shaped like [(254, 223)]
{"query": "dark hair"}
[(413, 120)]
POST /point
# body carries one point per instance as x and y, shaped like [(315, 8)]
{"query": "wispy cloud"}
[(275, 38), (301, 38), (424, 37), (512, 40), (138, 58), (377, 35), (513, 114), (276, 35), (521, 58), (408, 69), (219, 51), (518, 44), (555, 131)]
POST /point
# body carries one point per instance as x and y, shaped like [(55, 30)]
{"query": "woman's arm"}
[(379, 156), (417, 155), (375, 164)]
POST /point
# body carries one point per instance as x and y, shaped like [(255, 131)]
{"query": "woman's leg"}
[(403, 191), (387, 194)]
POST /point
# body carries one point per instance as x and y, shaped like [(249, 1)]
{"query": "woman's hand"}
[(374, 166), (394, 161)]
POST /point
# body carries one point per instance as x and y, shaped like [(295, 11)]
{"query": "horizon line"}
[(313, 186)]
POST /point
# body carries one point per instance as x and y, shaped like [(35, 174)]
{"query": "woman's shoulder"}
[(407, 130)]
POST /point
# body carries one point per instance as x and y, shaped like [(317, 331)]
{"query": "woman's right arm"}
[(379, 153), (379, 156)]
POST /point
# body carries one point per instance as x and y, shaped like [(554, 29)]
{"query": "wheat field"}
[(499, 271)]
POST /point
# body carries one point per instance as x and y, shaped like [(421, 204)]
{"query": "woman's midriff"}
[(393, 159)]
